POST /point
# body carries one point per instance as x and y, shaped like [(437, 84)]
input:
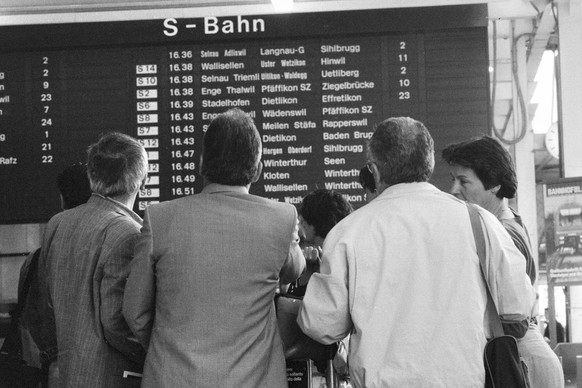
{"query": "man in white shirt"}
[(402, 276)]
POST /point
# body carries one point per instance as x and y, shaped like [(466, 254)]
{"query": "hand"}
[(312, 253)]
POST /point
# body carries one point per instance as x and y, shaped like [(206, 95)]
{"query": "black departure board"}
[(315, 85)]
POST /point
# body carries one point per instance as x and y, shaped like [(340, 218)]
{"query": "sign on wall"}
[(563, 212), (315, 85)]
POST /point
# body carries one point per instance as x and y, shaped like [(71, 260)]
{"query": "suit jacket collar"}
[(113, 205), (215, 188)]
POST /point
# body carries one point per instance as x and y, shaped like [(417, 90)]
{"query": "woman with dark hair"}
[(482, 173), (319, 212)]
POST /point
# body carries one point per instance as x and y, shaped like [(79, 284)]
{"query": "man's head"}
[(117, 165), (74, 186), (232, 150), (400, 151)]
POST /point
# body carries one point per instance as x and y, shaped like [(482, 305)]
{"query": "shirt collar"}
[(407, 188), (118, 206), (214, 188)]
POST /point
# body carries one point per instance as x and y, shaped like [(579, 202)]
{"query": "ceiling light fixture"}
[(282, 5)]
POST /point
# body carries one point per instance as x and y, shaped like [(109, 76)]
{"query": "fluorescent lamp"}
[(282, 5)]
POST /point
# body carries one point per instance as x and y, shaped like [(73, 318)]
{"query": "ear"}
[(63, 202), (495, 189), (258, 173), (376, 175)]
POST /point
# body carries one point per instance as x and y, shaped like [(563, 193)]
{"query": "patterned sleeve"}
[(118, 254), (139, 298)]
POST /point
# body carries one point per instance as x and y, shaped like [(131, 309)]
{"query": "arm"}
[(38, 314), (510, 287), (139, 298), (324, 314), (295, 263), (114, 276), (518, 233)]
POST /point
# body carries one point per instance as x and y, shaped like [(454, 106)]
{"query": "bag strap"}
[(479, 238), (482, 252)]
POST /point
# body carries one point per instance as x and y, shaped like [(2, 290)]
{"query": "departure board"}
[(315, 85)]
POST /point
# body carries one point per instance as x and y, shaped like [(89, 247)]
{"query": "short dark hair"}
[(402, 150), (490, 161), (232, 149), (74, 185), (117, 165), (323, 209), (367, 179)]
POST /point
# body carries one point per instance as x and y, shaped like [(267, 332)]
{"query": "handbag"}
[(14, 370), (504, 367)]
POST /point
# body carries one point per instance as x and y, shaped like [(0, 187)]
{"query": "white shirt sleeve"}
[(325, 315), (510, 287)]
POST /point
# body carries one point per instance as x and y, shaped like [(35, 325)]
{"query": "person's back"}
[(215, 324), (418, 303), (80, 246), (402, 275), (84, 264), (200, 296)]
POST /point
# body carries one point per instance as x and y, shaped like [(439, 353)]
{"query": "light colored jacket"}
[(402, 276)]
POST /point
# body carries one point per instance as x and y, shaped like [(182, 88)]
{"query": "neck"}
[(498, 208), (207, 182)]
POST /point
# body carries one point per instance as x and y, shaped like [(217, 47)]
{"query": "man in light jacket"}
[(402, 276)]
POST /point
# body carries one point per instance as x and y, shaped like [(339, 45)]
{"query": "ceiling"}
[(519, 31), (498, 9)]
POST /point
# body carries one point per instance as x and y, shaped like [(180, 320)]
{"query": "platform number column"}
[(403, 76), (148, 130), (46, 119)]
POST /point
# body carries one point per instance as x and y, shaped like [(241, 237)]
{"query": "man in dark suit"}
[(200, 293), (83, 267)]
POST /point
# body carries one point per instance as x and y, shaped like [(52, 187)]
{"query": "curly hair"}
[(402, 150), (116, 165), (323, 209)]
